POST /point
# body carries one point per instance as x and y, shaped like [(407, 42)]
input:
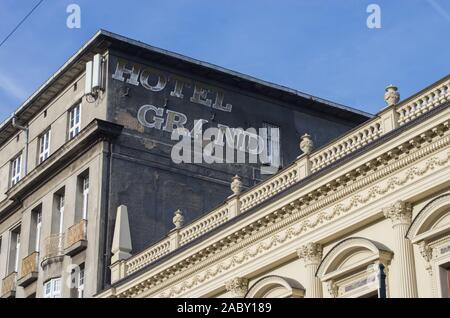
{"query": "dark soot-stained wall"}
[(144, 177)]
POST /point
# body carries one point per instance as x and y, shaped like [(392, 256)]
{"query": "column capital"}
[(311, 253), (400, 212), (238, 286)]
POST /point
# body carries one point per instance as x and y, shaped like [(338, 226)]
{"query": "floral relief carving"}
[(238, 287), (400, 212), (311, 253), (427, 253)]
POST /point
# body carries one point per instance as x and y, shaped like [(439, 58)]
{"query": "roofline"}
[(232, 73), (114, 36), (52, 78)]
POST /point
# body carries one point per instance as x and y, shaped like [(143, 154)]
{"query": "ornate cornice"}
[(311, 253), (399, 213), (329, 202), (271, 241)]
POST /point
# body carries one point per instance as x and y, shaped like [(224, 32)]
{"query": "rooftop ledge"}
[(389, 120)]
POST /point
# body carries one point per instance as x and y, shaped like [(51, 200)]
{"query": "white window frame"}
[(48, 289), (16, 257), (80, 283), (85, 187), (38, 230), (44, 146), (61, 203), (52, 288), (74, 121), (16, 170)]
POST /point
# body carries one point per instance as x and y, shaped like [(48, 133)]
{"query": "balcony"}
[(9, 286), (53, 249), (29, 272), (76, 238)]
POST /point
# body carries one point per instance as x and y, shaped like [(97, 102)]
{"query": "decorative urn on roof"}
[(178, 219), (392, 96), (236, 185), (306, 144)]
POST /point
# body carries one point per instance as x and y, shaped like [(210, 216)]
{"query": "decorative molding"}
[(379, 253), (311, 253), (270, 242), (399, 213), (427, 253), (296, 218), (292, 287), (238, 287), (426, 211), (333, 289)]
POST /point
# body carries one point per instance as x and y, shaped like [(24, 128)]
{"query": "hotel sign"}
[(262, 142), (155, 80)]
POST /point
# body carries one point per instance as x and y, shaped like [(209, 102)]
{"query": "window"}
[(272, 142), (85, 187), (52, 288), (44, 146), (74, 121), (17, 252), (61, 213), (80, 282), (16, 170), (13, 263), (37, 221)]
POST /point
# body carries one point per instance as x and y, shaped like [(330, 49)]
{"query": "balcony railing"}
[(30, 264), (9, 284), (54, 246), (76, 233)]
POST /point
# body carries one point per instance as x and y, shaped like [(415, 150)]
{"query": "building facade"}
[(366, 215), (97, 135)]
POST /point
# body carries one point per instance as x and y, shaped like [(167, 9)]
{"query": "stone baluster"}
[(234, 206)]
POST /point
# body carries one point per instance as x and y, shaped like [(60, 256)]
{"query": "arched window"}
[(430, 230), (276, 287), (355, 267)]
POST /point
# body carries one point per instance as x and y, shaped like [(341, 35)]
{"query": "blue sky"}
[(320, 47)]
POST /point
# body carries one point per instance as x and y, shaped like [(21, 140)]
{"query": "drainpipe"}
[(25, 129)]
